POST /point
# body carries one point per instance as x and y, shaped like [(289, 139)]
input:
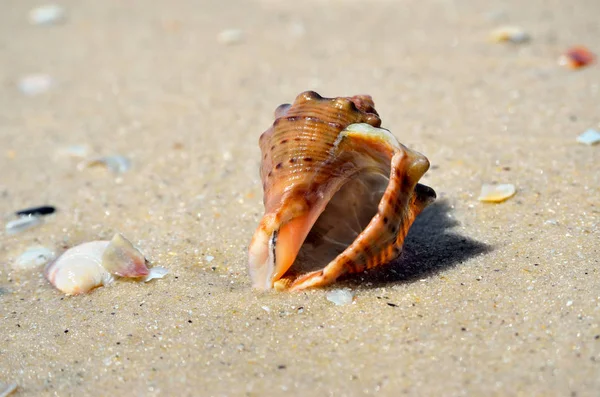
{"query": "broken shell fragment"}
[(22, 223), (496, 193), (6, 389), (577, 57), (33, 257), (117, 164), (340, 193), (156, 272), (590, 137), (79, 269), (121, 258), (512, 34)]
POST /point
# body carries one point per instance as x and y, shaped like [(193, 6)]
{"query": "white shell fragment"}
[(7, 389), (156, 272), (513, 34), (117, 164), (76, 151), (97, 263), (590, 137), (46, 15), (122, 259), (497, 193), (340, 297), (35, 84), (22, 223), (79, 269), (33, 257), (230, 36)]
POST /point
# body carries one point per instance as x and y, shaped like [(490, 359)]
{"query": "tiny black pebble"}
[(463, 329), (190, 321), (19, 325), (113, 313), (597, 337), (281, 367), (118, 343), (392, 304), (66, 330)]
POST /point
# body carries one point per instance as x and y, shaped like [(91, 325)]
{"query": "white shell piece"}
[(116, 163), (156, 272), (513, 34), (79, 269), (46, 15), (590, 137), (7, 389), (35, 84), (230, 36), (23, 223), (497, 193), (340, 297), (33, 257)]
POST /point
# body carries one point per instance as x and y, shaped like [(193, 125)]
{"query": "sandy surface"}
[(487, 300)]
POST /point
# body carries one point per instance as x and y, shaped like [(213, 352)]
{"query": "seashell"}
[(121, 258), (22, 223), (496, 193), (513, 34), (577, 57), (93, 264), (340, 193), (33, 257), (79, 269), (589, 137), (7, 389)]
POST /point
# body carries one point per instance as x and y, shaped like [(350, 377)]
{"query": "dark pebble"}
[(43, 210)]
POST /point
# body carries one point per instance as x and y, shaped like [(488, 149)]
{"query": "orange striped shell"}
[(340, 193)]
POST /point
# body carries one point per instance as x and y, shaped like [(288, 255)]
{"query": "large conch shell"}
[(340, 193)]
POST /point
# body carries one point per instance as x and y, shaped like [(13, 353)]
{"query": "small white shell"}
[(590, 137), (340, 297), (35, 84), (22, 223), (230, 36), (46, 15), (33, 257), (7, 388), (497, 193), (116, 163), (122, 259), (156, 272), (79, 269)]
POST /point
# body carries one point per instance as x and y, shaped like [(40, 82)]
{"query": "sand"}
[(488, 299)]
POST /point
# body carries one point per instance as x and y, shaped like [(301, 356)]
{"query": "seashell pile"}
[(340, 193)]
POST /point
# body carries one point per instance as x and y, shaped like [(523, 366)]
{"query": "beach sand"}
[(487, 299)]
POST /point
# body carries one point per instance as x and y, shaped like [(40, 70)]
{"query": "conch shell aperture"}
[(340, 193)]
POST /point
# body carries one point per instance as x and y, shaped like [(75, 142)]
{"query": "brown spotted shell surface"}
[(340, 193)]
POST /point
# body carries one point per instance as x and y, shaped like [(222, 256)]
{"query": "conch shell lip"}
[(318, 173)]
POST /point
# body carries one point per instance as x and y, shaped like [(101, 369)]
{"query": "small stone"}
[(340, 297), (35, 84), (590, 137), (209, 258), (230, 36)]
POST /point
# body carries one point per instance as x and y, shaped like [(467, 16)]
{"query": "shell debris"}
[(122, 259), (37, 211), (33, 257), (22, 223), (35, 84), (6, 389), (496, 193), (577, 57), (230, 36), (115, 163), (46, 15), (512, 34), (340, 297), (590, 137)]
